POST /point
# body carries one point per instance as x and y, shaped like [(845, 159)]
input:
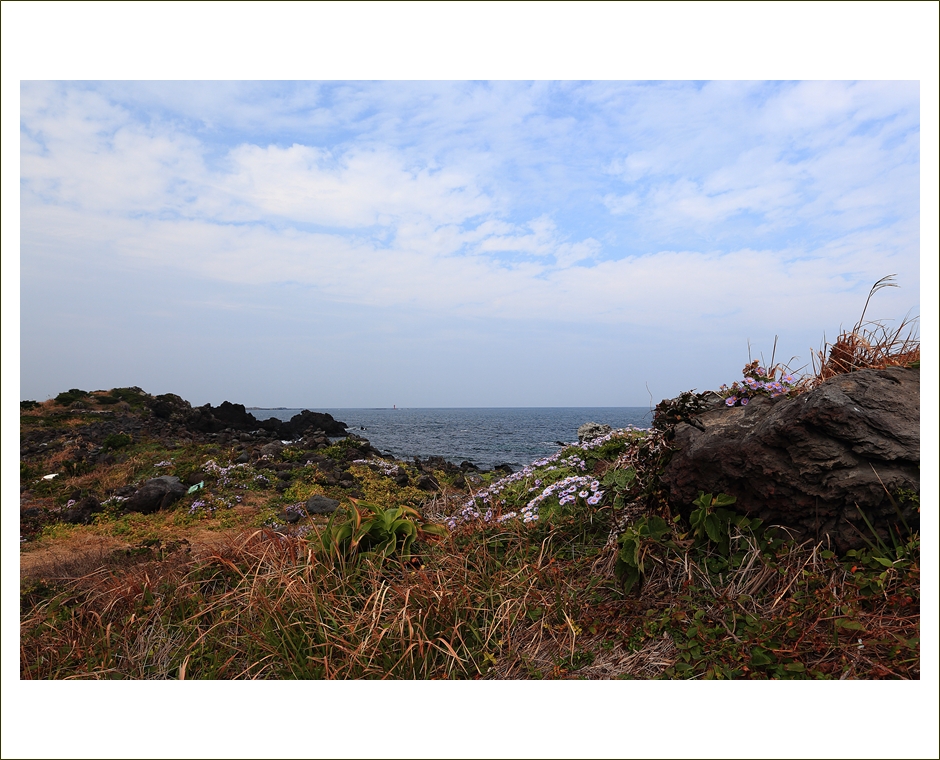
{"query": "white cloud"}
[(720, 208)]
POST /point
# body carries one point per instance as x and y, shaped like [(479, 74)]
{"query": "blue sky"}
[(465, 243)]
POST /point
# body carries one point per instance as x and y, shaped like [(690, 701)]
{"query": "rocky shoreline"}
[(144, 519), (826, 464)]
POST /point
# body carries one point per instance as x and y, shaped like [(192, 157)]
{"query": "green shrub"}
[(133, 396), (379, 533), (117, 441), (67, 397), (638, 543)]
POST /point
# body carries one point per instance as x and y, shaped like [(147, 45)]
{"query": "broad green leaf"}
[(760, 656), (704, 500), (713, 528), (657, 527), (433, 529)]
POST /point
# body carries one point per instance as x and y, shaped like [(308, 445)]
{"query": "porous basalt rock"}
[(591, 430), (321, 505), (235, 418), (813, 463), (156, 494)]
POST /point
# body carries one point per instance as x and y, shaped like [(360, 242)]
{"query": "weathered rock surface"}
[(156, 494), (591, 430), (228, 416), (321, 505), (82, 511), (806, 462)]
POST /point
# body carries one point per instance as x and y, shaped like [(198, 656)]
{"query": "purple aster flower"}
[(731, 401)]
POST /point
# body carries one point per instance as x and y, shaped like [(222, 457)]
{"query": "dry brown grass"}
[(868, 345)]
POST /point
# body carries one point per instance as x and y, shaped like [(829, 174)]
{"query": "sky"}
[(455, 243), (450, 204)]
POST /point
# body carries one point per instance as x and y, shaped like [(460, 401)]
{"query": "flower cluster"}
[(213, 467), (482, 506), (384, 467), (758, 381), (567, 490), (200, 504)]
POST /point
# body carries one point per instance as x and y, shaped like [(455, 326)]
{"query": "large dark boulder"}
[(309, 421), (156, 494), (321, 505), (81, 512), (214, 419), (169, 405), (813, 463)]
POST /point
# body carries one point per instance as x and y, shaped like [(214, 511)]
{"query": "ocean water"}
[(486, 437)]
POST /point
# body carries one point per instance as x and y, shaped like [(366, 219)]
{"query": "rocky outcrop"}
[(228, 416), (156, 494), (591, 430), (813, 463), (321, 505), (81, 512)]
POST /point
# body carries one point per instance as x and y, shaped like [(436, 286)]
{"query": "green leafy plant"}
[(886, 561), (712, 522), (376, 532), (621, 482), (637, 545)]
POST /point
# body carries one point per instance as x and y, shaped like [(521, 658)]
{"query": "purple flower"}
[(744, 401), (731, 401)]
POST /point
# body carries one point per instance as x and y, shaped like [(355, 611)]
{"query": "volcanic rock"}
[(591, 430), (321, 505), (158, 493), (813, 463), (82, 511)]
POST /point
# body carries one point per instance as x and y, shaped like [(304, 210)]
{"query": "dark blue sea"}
[(486, 437)]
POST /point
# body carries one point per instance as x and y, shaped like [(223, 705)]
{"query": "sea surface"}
[(486, 437)]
